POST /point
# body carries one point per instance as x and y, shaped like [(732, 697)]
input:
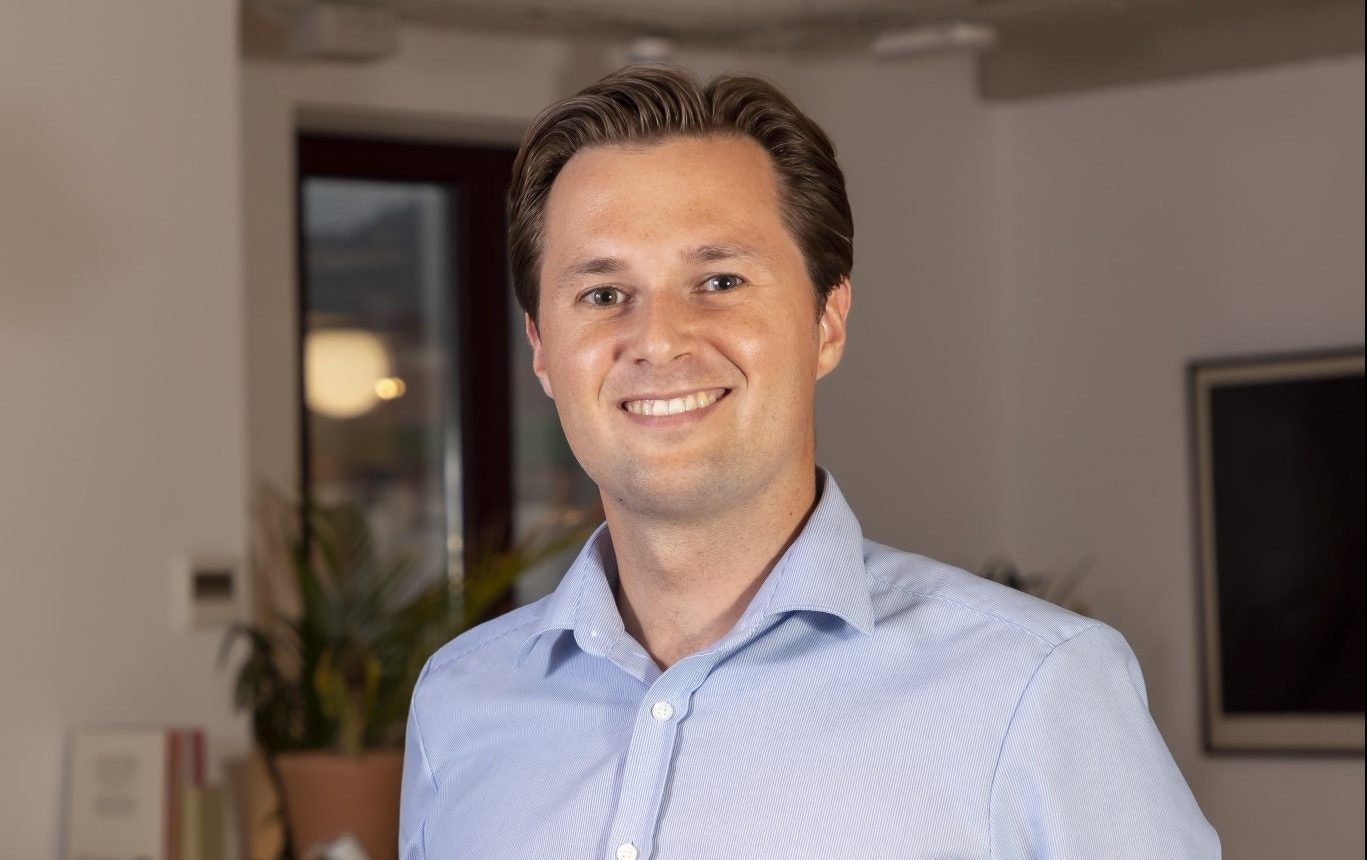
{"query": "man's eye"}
[(722, 283), (604, 296)]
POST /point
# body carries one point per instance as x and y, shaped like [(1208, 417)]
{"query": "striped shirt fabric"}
[(868, 703)]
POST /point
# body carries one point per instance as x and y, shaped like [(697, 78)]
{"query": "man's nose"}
[(664, 328)]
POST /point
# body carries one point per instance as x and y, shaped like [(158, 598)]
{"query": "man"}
[(728, 670)]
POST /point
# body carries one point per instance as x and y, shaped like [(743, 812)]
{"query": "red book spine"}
[(173, 782), (199, 776)]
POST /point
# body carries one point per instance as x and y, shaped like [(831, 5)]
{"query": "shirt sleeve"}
[(1083, 771), (419, 787)]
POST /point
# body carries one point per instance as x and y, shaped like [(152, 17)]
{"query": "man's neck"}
[(683, 586)]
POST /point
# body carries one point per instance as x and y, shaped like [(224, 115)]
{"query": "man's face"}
[(678, 332)]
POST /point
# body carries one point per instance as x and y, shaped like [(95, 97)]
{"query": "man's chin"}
[(678, 492)]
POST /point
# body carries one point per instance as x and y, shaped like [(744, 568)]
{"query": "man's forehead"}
[(685, 199), (717, 180), (684, 154)]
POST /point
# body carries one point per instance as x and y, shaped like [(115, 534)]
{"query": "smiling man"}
[(729, 669)]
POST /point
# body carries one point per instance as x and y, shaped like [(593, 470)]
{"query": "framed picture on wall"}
[(1278, 456)]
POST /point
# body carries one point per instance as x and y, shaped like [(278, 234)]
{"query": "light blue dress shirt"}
[(869, 703)]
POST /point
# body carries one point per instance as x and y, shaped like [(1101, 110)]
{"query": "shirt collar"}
[(821, 571), (583, 602)]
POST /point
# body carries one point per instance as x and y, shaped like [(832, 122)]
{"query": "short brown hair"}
[(646, 104)]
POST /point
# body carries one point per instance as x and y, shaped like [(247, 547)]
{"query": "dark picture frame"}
[(1277, 446)]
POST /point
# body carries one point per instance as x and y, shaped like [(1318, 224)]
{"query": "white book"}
[(119, 783)]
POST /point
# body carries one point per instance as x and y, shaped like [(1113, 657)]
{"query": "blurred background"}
[(1059, 204)]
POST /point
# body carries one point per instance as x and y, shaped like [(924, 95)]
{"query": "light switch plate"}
[(208, 593)]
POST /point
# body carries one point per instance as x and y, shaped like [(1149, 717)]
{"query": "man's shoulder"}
[(904, 585), (495, 642)]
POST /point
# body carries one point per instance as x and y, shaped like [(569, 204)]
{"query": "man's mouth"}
[(676, 405)]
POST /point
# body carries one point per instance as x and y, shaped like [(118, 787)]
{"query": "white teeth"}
[(673, 406)]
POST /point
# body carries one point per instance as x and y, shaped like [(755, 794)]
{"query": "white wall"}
[(1142, 228), (122, 444), (909, 424)]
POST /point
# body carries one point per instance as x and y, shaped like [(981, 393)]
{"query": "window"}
[(404, 341)]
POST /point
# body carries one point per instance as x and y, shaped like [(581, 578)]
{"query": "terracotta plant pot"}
[(327, 795)]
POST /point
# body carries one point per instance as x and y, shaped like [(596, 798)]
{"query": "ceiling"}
[(1041, 47), (756, 24)]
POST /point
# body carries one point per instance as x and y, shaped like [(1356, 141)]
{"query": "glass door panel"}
[(381, 383)]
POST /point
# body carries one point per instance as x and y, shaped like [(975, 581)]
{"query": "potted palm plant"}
[(332, 661)]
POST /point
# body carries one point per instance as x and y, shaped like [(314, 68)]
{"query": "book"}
[(127, 793), (203, 832)]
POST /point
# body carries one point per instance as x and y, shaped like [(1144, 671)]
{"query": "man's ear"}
[(538, 357), (832, 328)]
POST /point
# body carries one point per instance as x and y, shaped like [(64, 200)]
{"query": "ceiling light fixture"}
[(933, 39), (650, 49)]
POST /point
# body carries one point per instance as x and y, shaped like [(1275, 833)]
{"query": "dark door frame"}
[(479, 303)]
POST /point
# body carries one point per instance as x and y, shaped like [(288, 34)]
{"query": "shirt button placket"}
[(650, 759)]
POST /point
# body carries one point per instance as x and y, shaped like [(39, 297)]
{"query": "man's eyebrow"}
[(593, 266), (697, 255)]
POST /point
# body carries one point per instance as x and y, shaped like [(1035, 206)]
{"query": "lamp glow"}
[(342, 369), (390, 388)]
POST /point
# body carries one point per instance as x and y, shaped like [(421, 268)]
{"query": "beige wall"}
[(122, 445), (1143, 228)]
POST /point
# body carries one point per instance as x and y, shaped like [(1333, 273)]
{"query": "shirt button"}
[(627, 851), (662, 711)]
